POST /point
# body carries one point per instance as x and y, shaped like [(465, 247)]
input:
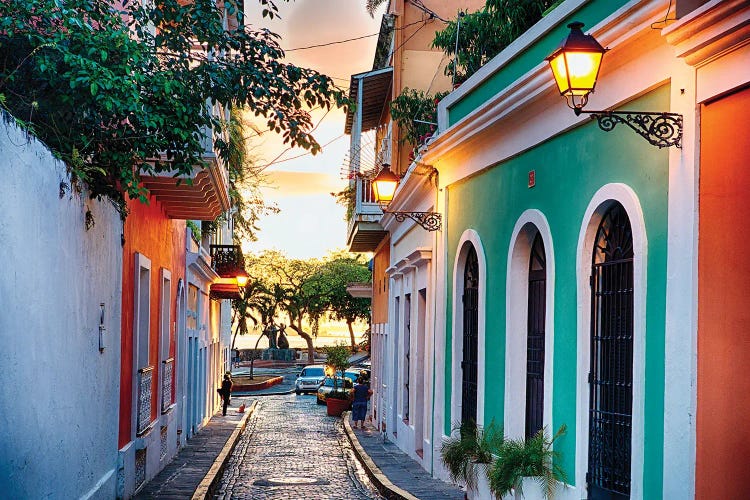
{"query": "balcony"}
[(202, 195), (227, 261), (371, 91), (364, 231)]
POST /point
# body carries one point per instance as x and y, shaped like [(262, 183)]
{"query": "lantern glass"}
[(242, 280), (384, 185), (575, 64)]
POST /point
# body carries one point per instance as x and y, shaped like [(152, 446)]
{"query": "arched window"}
[(535, 338), (470, 337), (611, 370)]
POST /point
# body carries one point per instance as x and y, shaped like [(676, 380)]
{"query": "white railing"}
[(144, 398), (365, 198), (167, 379)]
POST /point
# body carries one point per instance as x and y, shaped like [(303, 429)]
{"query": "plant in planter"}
[(518, 458), (469, 449), (337, 360)]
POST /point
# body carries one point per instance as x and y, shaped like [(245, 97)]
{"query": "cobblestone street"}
[(290, 450)]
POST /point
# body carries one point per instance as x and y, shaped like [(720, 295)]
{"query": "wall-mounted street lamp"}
[(384, 187), (575, 65), (241, 278)]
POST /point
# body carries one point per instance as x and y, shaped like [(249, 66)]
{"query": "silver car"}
[(310, 378)]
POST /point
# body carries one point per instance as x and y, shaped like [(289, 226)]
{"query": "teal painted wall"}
[(590, 14), (569, 169)]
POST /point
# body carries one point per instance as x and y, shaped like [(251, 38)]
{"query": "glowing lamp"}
[(384, 185), (242, 279), (575, 65)]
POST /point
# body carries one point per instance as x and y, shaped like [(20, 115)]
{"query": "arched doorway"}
[(470, 337), (535, 338), (611, 369)]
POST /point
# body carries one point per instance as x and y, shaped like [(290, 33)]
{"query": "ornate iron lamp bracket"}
[(659, 129), (431, 221)]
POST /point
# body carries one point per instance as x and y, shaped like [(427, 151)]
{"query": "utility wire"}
[(303, 154), (348, 39)]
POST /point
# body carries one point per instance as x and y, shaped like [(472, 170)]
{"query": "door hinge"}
[(590, 378), (591, 281)]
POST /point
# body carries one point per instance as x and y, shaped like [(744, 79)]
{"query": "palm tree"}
[(372, 6)]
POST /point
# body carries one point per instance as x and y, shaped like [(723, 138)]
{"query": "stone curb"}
[(244, 394), (381, 481), (206, 486), (259, 386)]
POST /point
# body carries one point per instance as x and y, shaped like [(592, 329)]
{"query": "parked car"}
[(342, 383), (309, 379), (354, 373)]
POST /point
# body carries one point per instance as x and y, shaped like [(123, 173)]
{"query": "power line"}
[(332, 43), (348, 39), (303, 154)]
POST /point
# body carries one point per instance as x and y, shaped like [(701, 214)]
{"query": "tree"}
[(121, 93), (246, 178), (340, 271), (299, 291), (483, 34), (337, 359), (372, 5), (306, 290)]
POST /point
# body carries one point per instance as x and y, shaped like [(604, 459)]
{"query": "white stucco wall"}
[(59, 394)]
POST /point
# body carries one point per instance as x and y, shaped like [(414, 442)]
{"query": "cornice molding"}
[(201, 267), (535, 93), (417, 258), (715, 28)]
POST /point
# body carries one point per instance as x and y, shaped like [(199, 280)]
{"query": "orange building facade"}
[(153, 272), (723, 400)]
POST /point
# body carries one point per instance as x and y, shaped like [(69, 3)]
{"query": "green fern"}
[(470, 447), (534, 457)]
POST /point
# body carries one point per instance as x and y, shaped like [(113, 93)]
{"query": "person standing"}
[(225, 392), (362, 393)]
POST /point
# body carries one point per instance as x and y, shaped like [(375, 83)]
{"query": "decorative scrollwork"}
[(660, 129), (431, 221)]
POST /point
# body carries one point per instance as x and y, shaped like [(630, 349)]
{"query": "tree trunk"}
[(308, 338), (350, 324)]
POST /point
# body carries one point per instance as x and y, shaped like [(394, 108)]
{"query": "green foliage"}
[(337, 359), (118, 94), (372, 5), (347, 199), (485, 33), (306, 290), (195, 230), (518, 458), (246, 178), (339, 271), (469, 446), (413, 105)]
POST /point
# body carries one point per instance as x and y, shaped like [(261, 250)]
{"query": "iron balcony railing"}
[(226, 260), (144, 398), (167, 380)]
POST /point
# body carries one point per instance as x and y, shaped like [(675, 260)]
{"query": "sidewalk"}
[(200, 461), (394, 473)]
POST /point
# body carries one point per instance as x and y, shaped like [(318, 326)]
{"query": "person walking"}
[(362, 393), (225, 392)]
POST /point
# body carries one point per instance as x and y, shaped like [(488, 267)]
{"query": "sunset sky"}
[(311, 223)]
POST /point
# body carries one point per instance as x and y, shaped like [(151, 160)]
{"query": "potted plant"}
[(518, 459), (337, 360), (468, 453)]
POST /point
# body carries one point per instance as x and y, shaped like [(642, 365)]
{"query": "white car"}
[(310, 378)]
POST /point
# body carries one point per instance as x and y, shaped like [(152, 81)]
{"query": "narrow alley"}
[(291, 449)]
